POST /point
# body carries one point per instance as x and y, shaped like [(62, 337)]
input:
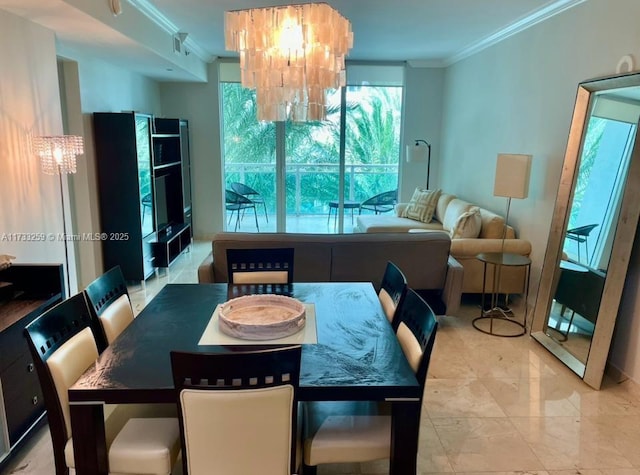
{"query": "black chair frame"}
[(237, 203), (395, 284), (45, 335), (260, 260), (250, 193), (380, 203), (105, 290)]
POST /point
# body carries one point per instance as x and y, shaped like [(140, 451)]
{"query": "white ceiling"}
[(426, 32)]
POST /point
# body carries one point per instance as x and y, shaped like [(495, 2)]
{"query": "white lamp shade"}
[(417, 153), (512, 175)]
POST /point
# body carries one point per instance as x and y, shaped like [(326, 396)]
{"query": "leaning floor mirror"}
[(593, 227)]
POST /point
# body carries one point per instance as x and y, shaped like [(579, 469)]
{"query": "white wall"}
[(422, 117), (199, 104), (517, 97), (29, 105)]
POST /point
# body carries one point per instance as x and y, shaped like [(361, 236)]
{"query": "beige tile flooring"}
[(492, 405)]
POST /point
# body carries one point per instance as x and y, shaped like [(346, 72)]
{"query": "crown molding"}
[(536, 17), (156, 16)]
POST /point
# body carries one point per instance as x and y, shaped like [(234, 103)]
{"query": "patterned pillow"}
[(467, 225), (422, 205)]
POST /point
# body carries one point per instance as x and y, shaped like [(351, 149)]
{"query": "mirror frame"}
[(592, 371)]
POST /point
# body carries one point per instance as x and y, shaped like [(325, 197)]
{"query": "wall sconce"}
[(57, 156), (417, 153)]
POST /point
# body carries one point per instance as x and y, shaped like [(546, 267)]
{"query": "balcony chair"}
[(581, 235), (381, 203), (393, 290), (63, 345), (109, 303), (238, 411), (236, 203), (250, 193), (352, 432)]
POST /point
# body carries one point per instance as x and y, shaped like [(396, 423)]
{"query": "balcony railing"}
[(309, 187)]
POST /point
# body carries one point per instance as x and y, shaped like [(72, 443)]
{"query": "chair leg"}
[(237, 220), (266, 216), (255, 213), (309, 469)]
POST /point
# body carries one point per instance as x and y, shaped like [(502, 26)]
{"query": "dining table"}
[(356, 357)]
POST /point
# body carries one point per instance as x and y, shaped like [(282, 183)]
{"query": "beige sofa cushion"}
[(422, 205), (380, 223), (441, 207), (467, 225), (493, 226), (456, 208)]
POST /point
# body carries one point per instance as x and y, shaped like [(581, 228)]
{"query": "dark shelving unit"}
[(124, 164)]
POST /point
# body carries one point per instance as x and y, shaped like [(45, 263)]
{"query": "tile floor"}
[(492, 405)]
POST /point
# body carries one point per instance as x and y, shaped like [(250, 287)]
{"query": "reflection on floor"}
[(492, 405), (570, 330)]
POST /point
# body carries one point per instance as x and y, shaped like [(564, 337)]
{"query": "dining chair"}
[(392, 291), (236, 203), (351, 432), (62, 344), (250, 193), (238, 410), (380, 203), (110, 304), (260, 266)]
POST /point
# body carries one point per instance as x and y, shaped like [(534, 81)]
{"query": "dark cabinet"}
[(125, 179), (144, 198), (172, 183), (28, 291)]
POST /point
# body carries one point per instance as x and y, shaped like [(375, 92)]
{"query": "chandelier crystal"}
[(58, 153), (290, 55)]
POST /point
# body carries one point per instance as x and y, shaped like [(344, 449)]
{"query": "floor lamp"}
[(416, 153), (512, 181), (58, 157)]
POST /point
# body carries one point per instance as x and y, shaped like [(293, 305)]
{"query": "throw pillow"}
[(422, 205), (467, 225)]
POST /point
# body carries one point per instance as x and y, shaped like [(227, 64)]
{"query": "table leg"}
[(405, 430), (89, 444)]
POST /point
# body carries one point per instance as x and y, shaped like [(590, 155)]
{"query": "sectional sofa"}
[(488, 238)]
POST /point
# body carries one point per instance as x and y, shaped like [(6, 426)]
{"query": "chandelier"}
[(58, 153), (290, 54)]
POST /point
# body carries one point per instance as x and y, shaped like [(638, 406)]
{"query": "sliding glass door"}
[(313, 177)]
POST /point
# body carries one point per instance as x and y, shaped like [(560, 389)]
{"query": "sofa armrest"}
[(452, 292), (399, 208), (205, 270), (470, 248)]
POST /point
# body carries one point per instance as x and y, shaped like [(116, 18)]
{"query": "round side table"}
[(495, 312), (347, 205)]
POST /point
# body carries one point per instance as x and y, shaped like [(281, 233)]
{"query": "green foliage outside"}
[(592, 141), (372, 148)]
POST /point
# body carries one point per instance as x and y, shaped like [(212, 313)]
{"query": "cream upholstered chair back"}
[(62, 344), (110, 304), (260, 266), (238, 411), (392, 291)]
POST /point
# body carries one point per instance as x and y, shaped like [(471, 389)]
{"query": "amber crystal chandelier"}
[(290, 54)]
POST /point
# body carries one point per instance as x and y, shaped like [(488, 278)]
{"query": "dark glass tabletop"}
[(357, 356)]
